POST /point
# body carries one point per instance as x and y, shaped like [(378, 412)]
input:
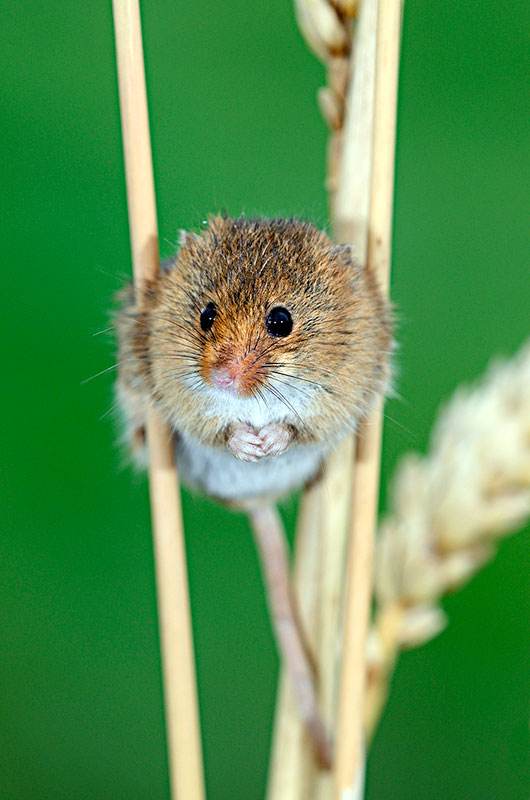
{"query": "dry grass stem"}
[(347, 106), (349, 742), (335, 515), (182, 722), (449, 510), (328, 30), (325, 26)]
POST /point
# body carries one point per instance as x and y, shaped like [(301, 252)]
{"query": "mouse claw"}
[(275, 439), (245, 444)]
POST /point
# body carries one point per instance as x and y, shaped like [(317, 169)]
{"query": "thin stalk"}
[(349, 181), (335, 511), (350, 746), (180, 693), (350, 206)]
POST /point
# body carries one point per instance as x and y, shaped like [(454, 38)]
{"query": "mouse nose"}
[(222, 378), (234, 374)]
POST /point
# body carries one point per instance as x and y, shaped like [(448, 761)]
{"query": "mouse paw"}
[(275, 439), (245, 444)]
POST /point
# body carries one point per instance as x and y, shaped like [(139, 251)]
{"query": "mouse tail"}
[(272, 547)]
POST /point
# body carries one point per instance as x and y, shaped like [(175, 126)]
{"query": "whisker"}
[(292, 386), (261, 395), (102, 372), (276, 393), (283, 364), (263, 353), (175, 354), (299, 378), (105, 330), (114, 406), (400, 425)]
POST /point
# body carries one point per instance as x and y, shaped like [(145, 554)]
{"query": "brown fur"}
[(340, 340)]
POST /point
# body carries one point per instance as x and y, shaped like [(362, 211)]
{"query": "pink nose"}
[(223, 379)]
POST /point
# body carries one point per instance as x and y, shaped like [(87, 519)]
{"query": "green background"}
[(235, 126)]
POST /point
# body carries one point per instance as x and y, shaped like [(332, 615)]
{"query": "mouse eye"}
[(208, 315), (279, 322)]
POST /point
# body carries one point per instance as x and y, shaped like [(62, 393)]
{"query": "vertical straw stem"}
[(180, 693), (335, 514), (349, 759), (350, 206), (350, 160), (349, 213)]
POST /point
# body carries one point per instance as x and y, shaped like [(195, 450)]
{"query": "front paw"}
[(275, 439), (245, 444)]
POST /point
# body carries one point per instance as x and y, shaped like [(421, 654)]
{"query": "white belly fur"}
[(217, 473)]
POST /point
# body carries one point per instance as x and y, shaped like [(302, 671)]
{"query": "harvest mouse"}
[(262, 345)]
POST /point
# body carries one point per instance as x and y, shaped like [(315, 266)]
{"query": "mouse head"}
[(255, 307)]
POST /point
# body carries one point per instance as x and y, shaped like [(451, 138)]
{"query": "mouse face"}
[(266, 309), (258, 321)]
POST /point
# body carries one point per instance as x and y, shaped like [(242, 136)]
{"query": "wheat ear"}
[(449, 510)]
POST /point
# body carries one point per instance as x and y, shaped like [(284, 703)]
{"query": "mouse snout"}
[(236, 375), (224, 378)]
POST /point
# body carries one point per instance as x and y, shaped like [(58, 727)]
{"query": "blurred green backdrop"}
[(235, 126)]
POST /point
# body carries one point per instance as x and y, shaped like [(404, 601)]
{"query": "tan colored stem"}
[(384, 148), (349, 211), (349, 204), (180, 694), (378, 678), (336, 502), (350, 747)]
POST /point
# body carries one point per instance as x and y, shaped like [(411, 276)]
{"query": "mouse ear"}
[(346, 254), (167, 264), (186, 238), (217, 222)]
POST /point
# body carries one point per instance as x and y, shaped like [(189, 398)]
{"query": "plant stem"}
[(180, 693)]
